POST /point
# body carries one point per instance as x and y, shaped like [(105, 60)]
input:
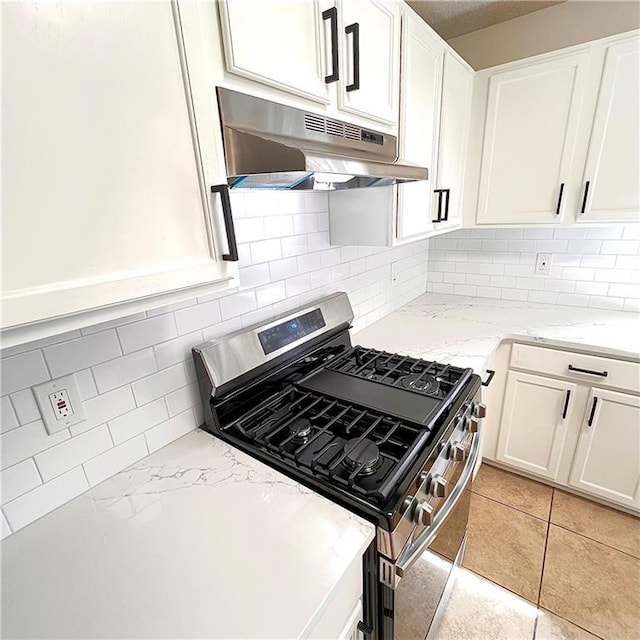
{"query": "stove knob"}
[(479, 410), (422, 478), (472, 425), (457, 452), (424, 514), (438, 487), (406, 503)]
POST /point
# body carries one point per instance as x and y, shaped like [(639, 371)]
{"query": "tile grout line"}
[(526, 513), (544, 558), (604, 544)]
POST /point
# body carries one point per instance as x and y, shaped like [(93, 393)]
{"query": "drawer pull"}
[(593, 412), (604, 374), (566, 404), (487, 382)]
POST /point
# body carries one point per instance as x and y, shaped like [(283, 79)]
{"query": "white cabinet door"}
[(105, 199), (611, 188), (455, 113), (422, 59), (280, 43), (370, 59), (607, 459), (530, 134), (535, 417)]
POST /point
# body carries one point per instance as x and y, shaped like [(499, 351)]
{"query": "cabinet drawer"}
[(595, 369)]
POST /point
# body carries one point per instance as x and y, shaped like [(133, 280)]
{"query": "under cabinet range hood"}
[(272, 146)]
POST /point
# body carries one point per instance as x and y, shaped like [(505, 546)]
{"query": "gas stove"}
[(390, 437)]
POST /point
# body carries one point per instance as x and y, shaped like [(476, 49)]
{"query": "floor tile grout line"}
[(526, 513), (604, 544), (544, 558), (497, 584)]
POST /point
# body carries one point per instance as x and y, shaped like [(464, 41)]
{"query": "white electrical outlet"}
[(394, 272), (543, 263), (59, 403)]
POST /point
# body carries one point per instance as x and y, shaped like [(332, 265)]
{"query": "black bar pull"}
[(439, 214), (584, 199), (223, 190), (355, 30), (447, 193), (603, 374), (559, 205), (487, 382), (566, 404), (593, 412), (332, 15)]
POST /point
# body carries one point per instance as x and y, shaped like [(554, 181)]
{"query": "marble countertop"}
[(195, 541), (465, 331)]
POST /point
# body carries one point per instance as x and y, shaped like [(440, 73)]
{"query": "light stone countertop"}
[(465, 331), (197, 540)]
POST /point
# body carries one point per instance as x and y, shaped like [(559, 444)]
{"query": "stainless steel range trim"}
[(241, 352)]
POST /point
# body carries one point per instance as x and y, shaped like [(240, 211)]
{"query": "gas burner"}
[(370, 374), (300, 429), (362, 454), (417, 382)]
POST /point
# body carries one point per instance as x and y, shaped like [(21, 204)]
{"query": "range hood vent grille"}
[(330, 127)]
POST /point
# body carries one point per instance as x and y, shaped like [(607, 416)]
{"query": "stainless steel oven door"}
[(424, 566)]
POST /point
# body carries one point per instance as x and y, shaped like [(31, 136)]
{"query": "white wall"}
[(597, 267), (136, 375), (555, 27)]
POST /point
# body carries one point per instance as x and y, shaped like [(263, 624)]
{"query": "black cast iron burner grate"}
[(354, 448)]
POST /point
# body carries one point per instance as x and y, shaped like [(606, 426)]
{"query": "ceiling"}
[(451, 18)]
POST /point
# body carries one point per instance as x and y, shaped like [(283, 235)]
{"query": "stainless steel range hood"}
[(271, 146)]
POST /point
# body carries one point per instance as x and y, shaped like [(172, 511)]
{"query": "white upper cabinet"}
[(529, 140), (344, 55), (455, 113), (421, 82), (106, 194), (370, 59), (283, 44), (610, 185), (607, 459)]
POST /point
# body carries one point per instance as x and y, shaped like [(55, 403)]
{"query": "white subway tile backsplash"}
[(112, 324), (24, 442), (621, 247), (5, 529), (146, 333), (625, 290), (548, 297), (19, 479), (116, 373), (294, 245), (254, 276), (237, 304), (159, 384), (578, 273), (170, 430), (45, 498), (22, 371), (63, 457), (270, 294), (605, 233), (538, 234), (104, 407), (183, 399), (514, 294), (137, 421), (8, 418), (221, 329), (266, 250), (178, 350), (86, 384), (584, 246), (552, 246), (24, 403), (280, 226), (606, 302), (592, 288), (198, 317), (82, 353), (249, 229), (110, 462)]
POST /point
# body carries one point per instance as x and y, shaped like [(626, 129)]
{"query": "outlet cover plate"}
[(543, 263), (46, 389)]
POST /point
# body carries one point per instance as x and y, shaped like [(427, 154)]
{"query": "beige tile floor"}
[(544, 564)]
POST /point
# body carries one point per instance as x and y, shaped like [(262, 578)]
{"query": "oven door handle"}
[(414, 550)]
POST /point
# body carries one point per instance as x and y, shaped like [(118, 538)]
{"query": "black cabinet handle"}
[(447, 193), (584, 199), (566, 404), (439, 214), (365, 629), (603, 374), (223, 190), (332, 15), (560, 199), (593, 412), (487, 382), (355, 30)]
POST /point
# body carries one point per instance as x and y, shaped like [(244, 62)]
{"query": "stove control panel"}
[(289, 331)]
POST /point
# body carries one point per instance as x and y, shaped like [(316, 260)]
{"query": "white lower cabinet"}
[(555, 424), (607, 460), (534, 423)]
